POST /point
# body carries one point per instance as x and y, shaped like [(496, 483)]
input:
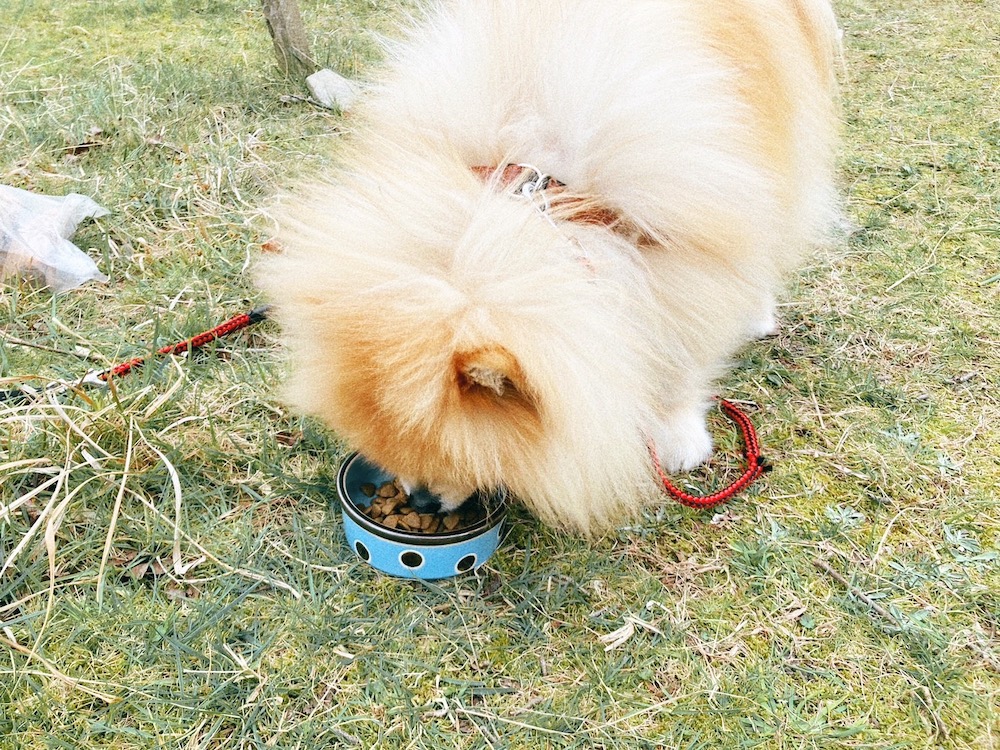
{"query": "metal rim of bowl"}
[(492, 518)]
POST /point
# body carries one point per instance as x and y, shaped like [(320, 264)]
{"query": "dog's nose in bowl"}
[(423, 501), (432, 553)]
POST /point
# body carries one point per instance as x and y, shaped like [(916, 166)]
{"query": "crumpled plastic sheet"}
[(34, 238)]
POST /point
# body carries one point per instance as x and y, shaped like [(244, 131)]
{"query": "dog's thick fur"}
[(462, 336)]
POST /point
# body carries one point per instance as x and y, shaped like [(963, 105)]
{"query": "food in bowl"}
[(391, 507), (403, 547)]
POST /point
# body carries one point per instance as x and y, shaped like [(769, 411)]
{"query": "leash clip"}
[(534, 184), (93, 379)]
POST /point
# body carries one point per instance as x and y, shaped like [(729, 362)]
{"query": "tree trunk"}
[(291, 46)]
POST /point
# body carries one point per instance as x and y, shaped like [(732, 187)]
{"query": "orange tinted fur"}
[(464, 337)]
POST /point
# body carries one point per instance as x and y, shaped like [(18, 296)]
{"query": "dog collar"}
[(552, 194)]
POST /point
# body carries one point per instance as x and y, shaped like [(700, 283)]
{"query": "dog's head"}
[(411, 317)]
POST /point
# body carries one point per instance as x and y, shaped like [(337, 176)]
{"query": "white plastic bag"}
[(34, 238), (332, 90)]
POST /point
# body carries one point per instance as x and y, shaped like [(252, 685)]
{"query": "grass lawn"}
[(172, 573)]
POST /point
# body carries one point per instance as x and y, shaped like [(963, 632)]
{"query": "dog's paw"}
[(450, 498), (433, 499), (682, 440), (765, 323)]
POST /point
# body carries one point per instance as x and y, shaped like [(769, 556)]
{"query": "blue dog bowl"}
[(409, 554)]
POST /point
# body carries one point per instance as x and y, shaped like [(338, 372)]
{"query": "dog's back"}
[(689, 115)]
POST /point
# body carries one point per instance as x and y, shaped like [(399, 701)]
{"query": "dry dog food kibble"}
[(390, 507)]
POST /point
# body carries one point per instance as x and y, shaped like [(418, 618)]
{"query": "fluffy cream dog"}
[(468, 325)]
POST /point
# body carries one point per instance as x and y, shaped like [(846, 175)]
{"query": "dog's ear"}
[(492, 370)]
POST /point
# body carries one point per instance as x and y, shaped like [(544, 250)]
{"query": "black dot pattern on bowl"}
[(466, 563), (412, 560), (362, 551)]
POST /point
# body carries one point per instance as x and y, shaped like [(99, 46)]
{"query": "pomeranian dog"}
[(554, 225)]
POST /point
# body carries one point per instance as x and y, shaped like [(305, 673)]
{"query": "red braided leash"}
[(232, 325), (757, 465)]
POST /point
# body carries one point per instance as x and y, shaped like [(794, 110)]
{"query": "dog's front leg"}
[(681, 438)]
